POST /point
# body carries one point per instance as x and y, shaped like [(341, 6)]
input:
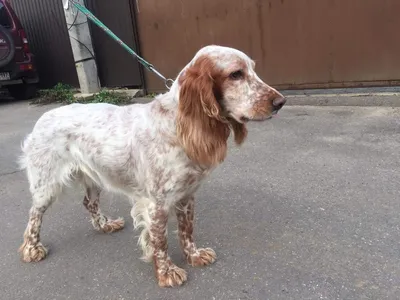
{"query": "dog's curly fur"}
[(156, 154)]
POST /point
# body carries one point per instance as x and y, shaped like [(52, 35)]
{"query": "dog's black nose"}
[(278, 103)]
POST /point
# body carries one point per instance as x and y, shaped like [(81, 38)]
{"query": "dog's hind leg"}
[(99, 220), (43, 195)]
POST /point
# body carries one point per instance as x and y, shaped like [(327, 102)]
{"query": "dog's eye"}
[(236, 75)]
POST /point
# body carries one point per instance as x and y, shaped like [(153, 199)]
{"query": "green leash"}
[(168, 82)]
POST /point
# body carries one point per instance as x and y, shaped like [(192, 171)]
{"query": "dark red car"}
[(17, 67)]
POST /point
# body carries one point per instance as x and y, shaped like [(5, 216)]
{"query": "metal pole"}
[(82, 48)]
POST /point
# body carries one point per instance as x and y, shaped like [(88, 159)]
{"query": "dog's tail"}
[(22, 160)]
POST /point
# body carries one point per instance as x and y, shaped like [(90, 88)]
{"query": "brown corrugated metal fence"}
[(46, 28), (314, 43)]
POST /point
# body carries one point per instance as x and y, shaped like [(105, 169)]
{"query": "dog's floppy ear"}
[(239, 131), (201, 130)]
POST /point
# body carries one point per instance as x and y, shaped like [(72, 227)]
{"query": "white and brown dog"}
[(157, 154)]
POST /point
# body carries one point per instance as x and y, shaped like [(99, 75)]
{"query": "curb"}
[(129, 92), (356, 99), (389, 97), (352, 99)]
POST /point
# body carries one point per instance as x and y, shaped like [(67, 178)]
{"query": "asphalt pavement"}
[(307, 208)]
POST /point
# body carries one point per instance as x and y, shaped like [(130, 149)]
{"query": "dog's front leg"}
[(195, 256), (167, 273)]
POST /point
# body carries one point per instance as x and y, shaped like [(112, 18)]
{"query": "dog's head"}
[(219, 91)]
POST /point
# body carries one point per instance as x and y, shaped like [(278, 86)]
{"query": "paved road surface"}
[(308, 208)]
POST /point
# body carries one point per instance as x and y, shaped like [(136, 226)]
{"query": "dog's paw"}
[(113, 225), (173, 276), (32, 253), (202, 257)]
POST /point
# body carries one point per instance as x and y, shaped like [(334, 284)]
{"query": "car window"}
[(5, 19)]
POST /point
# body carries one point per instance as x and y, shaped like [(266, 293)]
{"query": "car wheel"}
[(7, 47), (23, 91)]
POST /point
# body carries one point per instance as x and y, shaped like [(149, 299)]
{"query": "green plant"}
[(63, 93), (60, 93), (112, 97), (150, 95)]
